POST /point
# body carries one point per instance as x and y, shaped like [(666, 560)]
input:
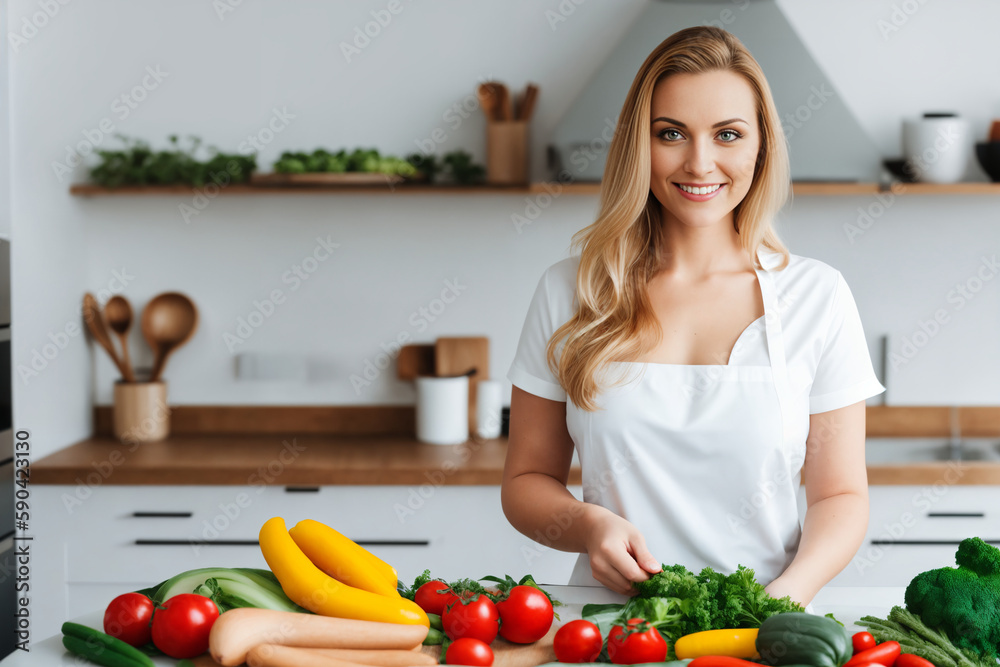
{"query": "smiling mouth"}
[(707, 190)]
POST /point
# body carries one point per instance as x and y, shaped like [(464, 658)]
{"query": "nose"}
[(700, 159)]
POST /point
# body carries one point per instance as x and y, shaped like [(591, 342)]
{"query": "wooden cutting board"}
[(456, 355), (414, 360), (507, 654)]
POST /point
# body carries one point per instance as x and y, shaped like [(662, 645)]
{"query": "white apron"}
[(704, 459)]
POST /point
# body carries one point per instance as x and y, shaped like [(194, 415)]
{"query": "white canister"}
[(443, 409), (489, 409), (936, 147)]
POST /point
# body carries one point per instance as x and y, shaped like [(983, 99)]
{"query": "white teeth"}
[(699, 191)]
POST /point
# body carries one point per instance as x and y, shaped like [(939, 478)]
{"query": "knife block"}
[(140, 411)]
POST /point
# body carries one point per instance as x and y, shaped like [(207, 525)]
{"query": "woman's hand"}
[(617, 551), (783, 586)]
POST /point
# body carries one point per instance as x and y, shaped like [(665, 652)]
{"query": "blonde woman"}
[(699, 369)]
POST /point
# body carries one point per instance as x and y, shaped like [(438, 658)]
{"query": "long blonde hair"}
[(622, 249)]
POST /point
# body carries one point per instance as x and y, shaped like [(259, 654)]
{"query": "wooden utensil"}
[(98, 329), (414, 360), (505, 104), (526, 105), (488, 100), (168, 321), (458, 355), (118, 314)]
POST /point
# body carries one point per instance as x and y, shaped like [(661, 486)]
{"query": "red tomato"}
[(128, 618), (469, 651), (182, 623), (433, 596), (883, 654), (641, 642), (476, 617), (863, 641), (525, 615), (578, 641), (910, 660)]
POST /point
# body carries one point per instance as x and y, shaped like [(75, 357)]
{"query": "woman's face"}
[(704, 133)]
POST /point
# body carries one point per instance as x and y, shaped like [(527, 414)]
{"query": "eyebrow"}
[(719, 124)]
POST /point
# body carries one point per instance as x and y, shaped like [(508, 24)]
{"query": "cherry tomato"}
[(525, 615), (863, 641), (578, 641), (476, 617), (910, 660), (182, 623), (640, 642), (433, 596), (128, 618), (469, 651), (883, 654)]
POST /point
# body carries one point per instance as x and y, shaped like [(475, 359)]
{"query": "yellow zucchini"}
[(343, 559), (308, 586), (735, 643)]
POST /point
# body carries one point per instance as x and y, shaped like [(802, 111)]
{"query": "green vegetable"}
[(459, 166), (962, 602), (795, 638), (102, 648), (435, 620), (360, 160), (434, 637), (738, 600), (138, 164), (914, 636), (229, 588)]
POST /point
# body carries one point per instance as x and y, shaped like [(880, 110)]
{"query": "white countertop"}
[(847, 604)]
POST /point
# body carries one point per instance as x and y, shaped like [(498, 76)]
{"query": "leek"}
[(229, 588)]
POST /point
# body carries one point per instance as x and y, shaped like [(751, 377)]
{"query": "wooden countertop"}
[(321, 460)]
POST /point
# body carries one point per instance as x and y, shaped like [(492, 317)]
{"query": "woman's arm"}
[(836, 520), (538, 504)]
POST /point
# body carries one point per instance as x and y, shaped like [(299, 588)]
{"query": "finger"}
[(611, 578), (623, 562), (644, 558)]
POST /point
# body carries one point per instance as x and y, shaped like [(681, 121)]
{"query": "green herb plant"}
[(138, 164)]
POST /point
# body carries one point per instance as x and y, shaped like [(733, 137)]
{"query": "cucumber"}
[(99, 653), (93, 641)]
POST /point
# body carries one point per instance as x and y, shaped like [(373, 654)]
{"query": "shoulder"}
[(559, 280), (807, 274)]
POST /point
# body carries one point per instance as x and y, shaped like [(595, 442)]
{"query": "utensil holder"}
[(141, 413), (507, 152)]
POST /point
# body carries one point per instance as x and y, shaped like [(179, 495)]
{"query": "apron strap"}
[(776, 351)]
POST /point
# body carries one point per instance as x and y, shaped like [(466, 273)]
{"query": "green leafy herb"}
[(138, 164)]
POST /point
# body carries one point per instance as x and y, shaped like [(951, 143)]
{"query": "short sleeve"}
[(844, 374), (529, 370)]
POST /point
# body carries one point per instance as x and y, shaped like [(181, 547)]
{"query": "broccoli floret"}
[(963, 602), (685, 605)]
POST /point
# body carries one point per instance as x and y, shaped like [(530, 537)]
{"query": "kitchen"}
[(288, 389)]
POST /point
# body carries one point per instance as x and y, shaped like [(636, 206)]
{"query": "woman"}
[(700, 370)]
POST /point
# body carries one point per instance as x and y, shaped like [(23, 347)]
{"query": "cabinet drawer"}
[(893, 565), (933, 513)]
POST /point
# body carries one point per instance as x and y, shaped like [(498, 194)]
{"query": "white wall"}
[(225, 76)]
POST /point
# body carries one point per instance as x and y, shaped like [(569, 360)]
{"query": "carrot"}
[(237, 631)]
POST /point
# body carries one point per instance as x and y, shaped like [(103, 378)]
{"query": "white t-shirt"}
[(825, 347)]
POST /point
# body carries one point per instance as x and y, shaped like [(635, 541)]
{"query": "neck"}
[(699, 251)]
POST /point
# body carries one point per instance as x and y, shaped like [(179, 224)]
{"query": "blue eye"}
[(662, 135), (736, 135)]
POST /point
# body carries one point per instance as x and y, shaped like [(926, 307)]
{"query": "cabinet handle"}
[(162, 515), (301, 489), (911, 543), (363, 543), (968, 515)]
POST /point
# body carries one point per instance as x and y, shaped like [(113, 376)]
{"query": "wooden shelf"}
[(806, 188)]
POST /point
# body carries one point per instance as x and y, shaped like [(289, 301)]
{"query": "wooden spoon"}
[(118, 314), (488, 100), (168, 321), (98, 329)]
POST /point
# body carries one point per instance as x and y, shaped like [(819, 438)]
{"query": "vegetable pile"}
[(952, 615), (138, 164), (677, 602)]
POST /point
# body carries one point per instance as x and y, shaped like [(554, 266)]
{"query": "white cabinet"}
[(916, 528), (94, 543)]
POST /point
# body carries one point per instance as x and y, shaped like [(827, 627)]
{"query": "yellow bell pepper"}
[(735, 643), (343, 559), (308, 586)]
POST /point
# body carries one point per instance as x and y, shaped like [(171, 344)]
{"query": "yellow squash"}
[(310, 587), (735, 643), (343, 559)]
